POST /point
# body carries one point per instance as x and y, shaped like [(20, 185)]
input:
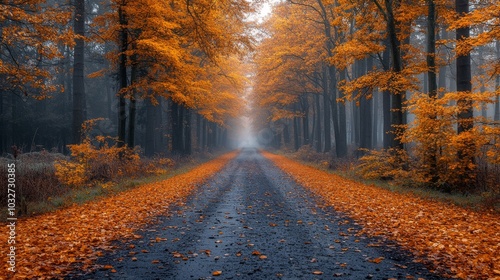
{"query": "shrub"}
[(158, 166), (97, 159), (35, 178), (391, 164), (307, 153), (436, 155)]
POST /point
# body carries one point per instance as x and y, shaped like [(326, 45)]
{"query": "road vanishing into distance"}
[(251, 221)]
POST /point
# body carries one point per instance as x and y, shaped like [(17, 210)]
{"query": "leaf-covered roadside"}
[(456, 242), (51, 245)]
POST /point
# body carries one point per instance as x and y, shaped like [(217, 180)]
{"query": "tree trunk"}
[(161, 142), (397, 98), (326, 112), (204, 134), (286, 134), (188, 145), (176, 133), (386, 101), (296, 133), (214, 135), (198, 132), (134, 75), (305, 119), (464, 73), (122, 75), (317, 115), (365, 108), (442, 69), (342, 139), (375, 119), (149, 142), (465, 115), (432, 83), (332, 88), (496, 116), (79, 104)]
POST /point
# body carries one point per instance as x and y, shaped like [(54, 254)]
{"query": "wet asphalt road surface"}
[(252, 222)]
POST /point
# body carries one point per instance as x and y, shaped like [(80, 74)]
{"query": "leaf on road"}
[(217, 273), (207, 252), (376, 260)]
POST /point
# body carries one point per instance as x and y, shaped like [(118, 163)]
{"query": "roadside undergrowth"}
[(347, 170), (98, 190), (453, 241), (52, 244)]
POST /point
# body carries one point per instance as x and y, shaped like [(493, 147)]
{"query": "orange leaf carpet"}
[(452, 240), (50, 245)]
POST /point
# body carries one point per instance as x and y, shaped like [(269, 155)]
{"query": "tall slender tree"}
[(79, 100)]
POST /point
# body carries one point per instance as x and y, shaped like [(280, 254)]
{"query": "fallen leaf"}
[(317, 272), (376, 260), (216, 273), (400, 266), (256, 253)]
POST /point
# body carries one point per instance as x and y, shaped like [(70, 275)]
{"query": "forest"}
[(400, 90), (410, 88), (250, 139)]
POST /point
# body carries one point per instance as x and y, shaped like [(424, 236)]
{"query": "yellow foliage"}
[(70, 173), (190, 50), (442, 154), (394, 164), (96, 160), (31, 32)]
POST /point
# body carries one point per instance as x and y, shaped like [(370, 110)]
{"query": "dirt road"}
[(252, 222)]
